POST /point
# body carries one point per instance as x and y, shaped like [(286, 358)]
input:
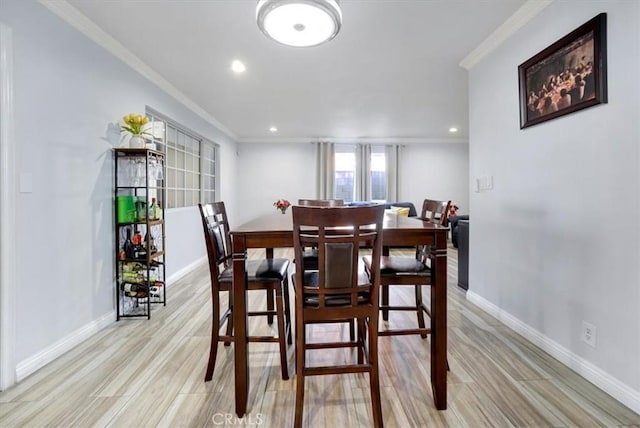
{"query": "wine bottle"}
[(128, 247), (140, 253), (149, 243), (158, 211), (134, 290), (152, 210), (141, 209)]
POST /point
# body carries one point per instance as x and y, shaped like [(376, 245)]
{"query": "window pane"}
[(345, 176), (188, 162), (171, 157), (171, 136), (189, 181), (180, 160), (179, 180)]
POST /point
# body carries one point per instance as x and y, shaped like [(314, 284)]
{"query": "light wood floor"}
[(150, 373)]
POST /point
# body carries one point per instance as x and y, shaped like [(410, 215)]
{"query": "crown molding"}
[(516, 21), (352, 140), (83, 24)]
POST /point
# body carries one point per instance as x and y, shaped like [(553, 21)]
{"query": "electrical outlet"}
[(588, 335)]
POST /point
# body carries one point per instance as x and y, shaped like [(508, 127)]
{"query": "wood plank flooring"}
[(148, 373)]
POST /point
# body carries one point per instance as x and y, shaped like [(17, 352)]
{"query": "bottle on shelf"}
[(134, 290), (153, 208), (128, 247), (139, 250), (141, 210), (149, 243), (158, 211)]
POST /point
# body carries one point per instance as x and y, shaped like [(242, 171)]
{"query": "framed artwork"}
[(567, 76)]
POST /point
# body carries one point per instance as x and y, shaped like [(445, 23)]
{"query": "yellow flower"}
[(134, 124)]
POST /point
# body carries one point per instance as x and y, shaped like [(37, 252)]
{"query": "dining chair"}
[(337, 291), (311, 253), (321, 202), (435, 211), (268, 274), (409, 271)]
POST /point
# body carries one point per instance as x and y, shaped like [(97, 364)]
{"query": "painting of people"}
[(565, 77)]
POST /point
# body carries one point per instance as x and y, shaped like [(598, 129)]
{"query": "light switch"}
[(26, 182)]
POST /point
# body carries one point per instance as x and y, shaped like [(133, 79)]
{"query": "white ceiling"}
[(392, 73)]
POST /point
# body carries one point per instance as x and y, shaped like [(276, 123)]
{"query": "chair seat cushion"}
[(398, 265), (260, 270)]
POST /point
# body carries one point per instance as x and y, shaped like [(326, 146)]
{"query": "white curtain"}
[(392, 160), (363, 172), (325, 170)]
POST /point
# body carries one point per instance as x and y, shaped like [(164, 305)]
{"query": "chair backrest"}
[(337, 233), (435, 211), (321, 202), (216, 235)]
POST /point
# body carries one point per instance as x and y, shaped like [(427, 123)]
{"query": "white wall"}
[(557, 240), (435, 171), (68, 91), (268, 172), (274, 171)]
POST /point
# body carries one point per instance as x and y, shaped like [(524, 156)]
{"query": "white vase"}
[(136, 142)]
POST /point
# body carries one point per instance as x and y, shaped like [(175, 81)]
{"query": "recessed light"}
[(453, 129), (273, 129), (237, 66)]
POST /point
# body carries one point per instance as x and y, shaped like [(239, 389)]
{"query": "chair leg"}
[(374, 375), (287, 309), (270, 306), (230, 319), (352, 332), (384, 292), (215, 336), (362, 337), (300, 355), (282, 333), (419, 312)]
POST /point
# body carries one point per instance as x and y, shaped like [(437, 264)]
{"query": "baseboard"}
[(47, 355), (32, 364), (612, 386), (185, 270)]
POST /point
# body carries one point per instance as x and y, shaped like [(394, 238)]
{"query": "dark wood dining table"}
[(276, 231)]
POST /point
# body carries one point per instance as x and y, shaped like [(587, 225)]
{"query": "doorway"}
[(7, 211)]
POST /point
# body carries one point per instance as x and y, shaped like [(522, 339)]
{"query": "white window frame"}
[(191, 162)]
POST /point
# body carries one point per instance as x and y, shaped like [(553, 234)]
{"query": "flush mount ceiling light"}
[(299, 23)]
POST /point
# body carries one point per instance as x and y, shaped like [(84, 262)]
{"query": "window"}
[(345, 175), (191, 162), (378, 170), (350, 184)]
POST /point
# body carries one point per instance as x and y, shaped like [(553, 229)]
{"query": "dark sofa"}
[(412, 208), (453, 225)]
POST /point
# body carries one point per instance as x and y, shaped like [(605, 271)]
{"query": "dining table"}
[(275, 230)]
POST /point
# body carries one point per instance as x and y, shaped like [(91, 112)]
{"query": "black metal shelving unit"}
[(140, 276)]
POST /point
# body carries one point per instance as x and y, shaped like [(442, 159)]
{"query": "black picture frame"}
[(567, 76)]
